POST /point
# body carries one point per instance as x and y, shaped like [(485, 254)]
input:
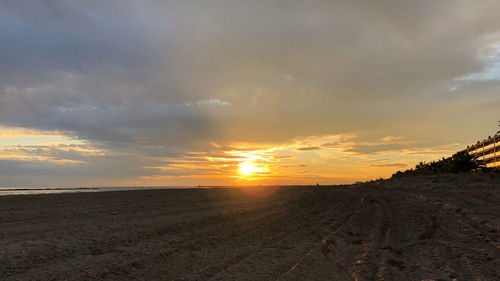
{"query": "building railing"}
[(486, 152)]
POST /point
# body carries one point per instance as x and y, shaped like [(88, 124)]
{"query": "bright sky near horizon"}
[(229, 92)]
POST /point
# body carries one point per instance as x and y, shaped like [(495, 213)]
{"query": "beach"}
[(421, 228)]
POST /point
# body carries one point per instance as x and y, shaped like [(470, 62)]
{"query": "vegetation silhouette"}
[(460, 162)]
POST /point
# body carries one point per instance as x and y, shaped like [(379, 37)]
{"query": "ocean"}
[(54, 190)]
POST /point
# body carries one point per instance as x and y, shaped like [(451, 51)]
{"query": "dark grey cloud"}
[(398, 165), (308, 148)]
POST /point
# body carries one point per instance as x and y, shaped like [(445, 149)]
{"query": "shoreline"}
[(417, 181)]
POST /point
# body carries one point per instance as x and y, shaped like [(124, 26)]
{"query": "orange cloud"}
[(30, 145)]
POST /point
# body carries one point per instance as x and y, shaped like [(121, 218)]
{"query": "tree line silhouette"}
[(460, 162)]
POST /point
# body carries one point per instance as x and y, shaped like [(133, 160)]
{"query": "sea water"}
[(54, 190)]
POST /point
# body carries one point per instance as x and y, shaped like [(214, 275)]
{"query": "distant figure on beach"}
[(317, 184)]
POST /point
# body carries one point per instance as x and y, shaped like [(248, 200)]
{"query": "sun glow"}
[(304, 160), (248, 169)]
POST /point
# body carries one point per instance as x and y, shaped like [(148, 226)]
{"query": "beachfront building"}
[(487, 151)]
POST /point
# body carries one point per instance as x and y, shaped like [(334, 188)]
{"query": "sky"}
[(229, 92)]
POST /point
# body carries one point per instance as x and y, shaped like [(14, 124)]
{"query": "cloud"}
[(392, 138), (55, 153), (376, 148), (308, 148), (363, 149), (212, 102), (398, 165), (148, 80)]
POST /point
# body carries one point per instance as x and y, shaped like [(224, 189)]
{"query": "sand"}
[(432, 228)]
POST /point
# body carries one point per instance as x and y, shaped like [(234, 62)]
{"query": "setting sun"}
[(248, 168)]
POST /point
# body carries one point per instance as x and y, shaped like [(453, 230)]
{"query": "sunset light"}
[(249, 140), (188, 93), (248, 169)]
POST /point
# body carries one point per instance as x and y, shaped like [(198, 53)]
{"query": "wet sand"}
[(433, 228)]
